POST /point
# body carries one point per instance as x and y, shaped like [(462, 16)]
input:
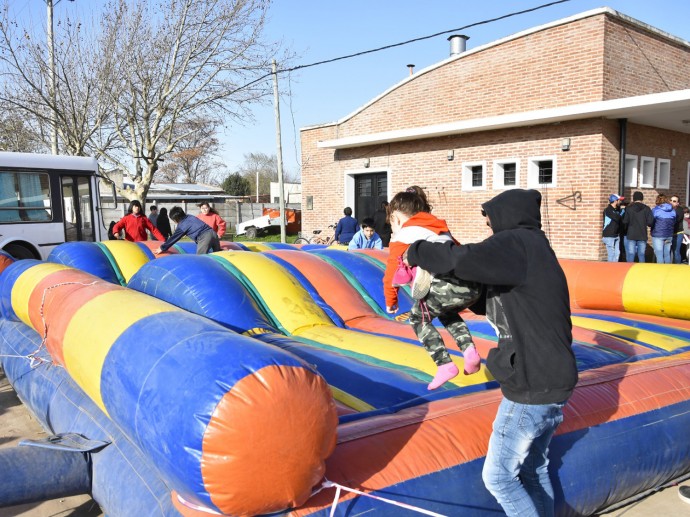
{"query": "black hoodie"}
[(636, 219), (527, 298)]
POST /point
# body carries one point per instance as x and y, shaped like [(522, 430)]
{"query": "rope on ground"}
[(338, 488)]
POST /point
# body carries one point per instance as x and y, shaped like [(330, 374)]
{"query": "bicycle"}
[(319, 237)]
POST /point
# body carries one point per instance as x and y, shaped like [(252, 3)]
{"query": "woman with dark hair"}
[(135, 224), (163, 223)]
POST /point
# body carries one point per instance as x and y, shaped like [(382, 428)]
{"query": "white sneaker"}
[(421, 284)]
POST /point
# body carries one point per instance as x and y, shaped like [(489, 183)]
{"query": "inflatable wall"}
[(269, 379)]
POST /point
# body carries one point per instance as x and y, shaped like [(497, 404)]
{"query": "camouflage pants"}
[(447, 296)]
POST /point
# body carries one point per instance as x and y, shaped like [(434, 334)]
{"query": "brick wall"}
[(578, 62)]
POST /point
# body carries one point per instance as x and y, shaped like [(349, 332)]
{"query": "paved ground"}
[(16, 423)]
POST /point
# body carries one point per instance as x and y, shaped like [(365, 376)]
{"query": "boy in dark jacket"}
[(195, 228), (637, 218), (528, 304)]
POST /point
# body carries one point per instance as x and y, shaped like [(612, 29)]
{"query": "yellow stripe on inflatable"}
[(640, 336), (350, 401), (282, 294), (657, 289), (95, 327), (256, 246), (25, 285), (390, 351), (128, 256)]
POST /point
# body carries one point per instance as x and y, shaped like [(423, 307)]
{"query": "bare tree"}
[(16, 136), (129, 91), (82, 102), (194, 160), (261, 168)]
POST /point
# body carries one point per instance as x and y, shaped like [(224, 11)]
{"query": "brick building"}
[(579, 108)]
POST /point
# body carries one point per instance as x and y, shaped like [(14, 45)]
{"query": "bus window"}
[(24, 197)]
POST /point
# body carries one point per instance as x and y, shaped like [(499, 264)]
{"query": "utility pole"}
[(51, 76), (279, 151), (51, 79)]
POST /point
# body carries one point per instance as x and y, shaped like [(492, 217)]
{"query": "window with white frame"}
[(541, 172), (647, 172), (630, 170), (506, 174), (663, 173), (474, 176)]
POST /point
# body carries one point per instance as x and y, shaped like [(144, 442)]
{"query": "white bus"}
[(46, 200)]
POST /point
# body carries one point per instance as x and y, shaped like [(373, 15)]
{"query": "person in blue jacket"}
[(366, 238), (197, 230), (346, 228), (662, 229)]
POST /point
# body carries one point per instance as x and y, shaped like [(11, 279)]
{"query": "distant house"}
[(185, 195), (580, 108)]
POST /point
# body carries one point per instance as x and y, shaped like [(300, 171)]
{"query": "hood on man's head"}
[(515, 208)]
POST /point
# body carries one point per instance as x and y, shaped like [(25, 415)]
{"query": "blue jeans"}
[(633, 248), (516, 466), (662, 249), (612, 248), (675, 248)]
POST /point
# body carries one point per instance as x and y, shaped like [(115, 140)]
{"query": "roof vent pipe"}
[(458, 44), (411, 68)]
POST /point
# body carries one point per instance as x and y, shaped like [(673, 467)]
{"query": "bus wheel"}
[(19, 252)]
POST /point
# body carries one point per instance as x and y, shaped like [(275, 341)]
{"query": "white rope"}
[(338, 488), (34, 359), (43, 319)]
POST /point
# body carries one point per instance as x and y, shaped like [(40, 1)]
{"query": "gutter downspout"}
[(621, 160)]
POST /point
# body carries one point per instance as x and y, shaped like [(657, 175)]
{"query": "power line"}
[(386, 47)]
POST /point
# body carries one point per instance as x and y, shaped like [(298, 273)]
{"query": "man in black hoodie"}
[(637, 218), (528, 304)]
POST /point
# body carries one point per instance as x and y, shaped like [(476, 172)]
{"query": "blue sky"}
[(324, 29)]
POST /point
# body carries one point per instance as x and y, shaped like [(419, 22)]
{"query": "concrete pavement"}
[(16, 423)]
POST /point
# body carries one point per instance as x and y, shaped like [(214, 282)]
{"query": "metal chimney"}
[(411, 68), (458, 44)]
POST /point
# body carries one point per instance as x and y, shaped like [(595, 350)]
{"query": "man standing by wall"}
[(153, 215), (677, 230), (612, 225), (637, 218)]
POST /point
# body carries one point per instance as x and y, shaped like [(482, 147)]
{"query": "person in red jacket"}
[(210, 216), (135, 224)]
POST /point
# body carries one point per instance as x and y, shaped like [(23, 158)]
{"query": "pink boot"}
[(444, 373), (472, 360)]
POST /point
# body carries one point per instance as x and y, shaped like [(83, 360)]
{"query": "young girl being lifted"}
[(442, 296)]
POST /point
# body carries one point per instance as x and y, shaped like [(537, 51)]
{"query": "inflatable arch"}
[(256, 380)]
